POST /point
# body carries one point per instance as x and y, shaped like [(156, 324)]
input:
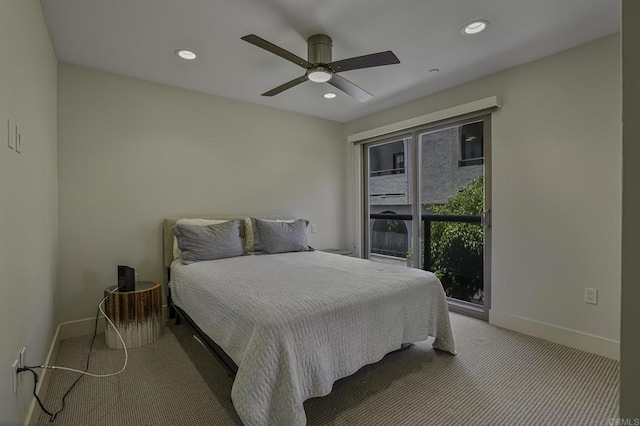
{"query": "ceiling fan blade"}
[(287, 85), (276, 50), (366, 61), (350, 88)]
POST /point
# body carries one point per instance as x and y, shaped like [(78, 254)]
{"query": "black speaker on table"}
[(126, 278)]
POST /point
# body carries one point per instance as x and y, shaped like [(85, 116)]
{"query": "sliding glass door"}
[(426, 207), (390, 196)]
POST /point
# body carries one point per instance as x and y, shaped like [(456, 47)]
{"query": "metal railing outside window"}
[(426, 221)]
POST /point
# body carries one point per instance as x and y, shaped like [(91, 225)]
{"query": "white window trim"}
[(432, 117)]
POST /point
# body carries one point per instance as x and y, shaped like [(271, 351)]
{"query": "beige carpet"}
[(498, 378)]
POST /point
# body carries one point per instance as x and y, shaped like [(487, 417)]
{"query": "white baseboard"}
[(66, 330), (79, 328), (45, 378), (564, 336)]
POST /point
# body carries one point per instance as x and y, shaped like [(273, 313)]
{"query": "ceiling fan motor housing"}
[(319, 49)]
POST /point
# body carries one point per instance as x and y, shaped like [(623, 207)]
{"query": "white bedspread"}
[(294, 323)]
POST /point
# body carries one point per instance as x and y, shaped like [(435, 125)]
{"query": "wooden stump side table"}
[(136, 314)]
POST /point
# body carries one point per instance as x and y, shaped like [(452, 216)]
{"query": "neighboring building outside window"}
[(398, 163), (389, 237), (471, 143)]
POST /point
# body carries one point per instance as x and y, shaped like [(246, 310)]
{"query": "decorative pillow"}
[(191, 221), (252, 243), (210, 242), (280, 237), (248, 236)]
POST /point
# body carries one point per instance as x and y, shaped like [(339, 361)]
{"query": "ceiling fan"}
[(319, 67)]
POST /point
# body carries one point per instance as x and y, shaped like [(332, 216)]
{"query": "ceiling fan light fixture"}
[(329, 95), (186, 54), (319, 74), (475, 27)]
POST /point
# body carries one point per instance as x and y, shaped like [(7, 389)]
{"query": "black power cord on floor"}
[(52, 417), (35, 383)]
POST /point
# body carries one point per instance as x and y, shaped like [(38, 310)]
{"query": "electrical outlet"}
[(14, 377), (590, 295), (22, 357), (314, 228)]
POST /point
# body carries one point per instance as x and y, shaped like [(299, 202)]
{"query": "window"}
[(398, 163), (424, 194), (388, 159), (471, 151)]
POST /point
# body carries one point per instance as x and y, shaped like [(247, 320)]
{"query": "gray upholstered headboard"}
[(167, 232)]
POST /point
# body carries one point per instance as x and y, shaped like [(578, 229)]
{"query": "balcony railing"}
[(427, 220), (386, 172), (461, 277)]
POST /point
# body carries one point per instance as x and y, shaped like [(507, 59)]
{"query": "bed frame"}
[(213, 347)]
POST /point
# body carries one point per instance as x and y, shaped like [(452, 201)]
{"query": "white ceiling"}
[(137, 38)]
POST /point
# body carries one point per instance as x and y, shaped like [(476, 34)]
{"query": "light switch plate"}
[(10, 135), (18, 139)]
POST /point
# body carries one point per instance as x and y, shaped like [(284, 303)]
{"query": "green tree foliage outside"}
[(457, 248)]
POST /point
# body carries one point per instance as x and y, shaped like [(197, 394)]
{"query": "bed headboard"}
[(167, 231)]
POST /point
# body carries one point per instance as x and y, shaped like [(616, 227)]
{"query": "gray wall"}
[(556, 167), (28, 198), (441, 176), (133, 152), (630, 348), (389, 190)]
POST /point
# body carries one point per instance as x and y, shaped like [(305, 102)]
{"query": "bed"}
[(289, 325)]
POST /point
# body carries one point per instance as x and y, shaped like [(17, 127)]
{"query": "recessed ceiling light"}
[(329, 95), (475, 27), (186, 54)]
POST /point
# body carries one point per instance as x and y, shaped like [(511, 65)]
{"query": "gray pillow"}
[(209, 242), (256, 247), (281, 237)]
